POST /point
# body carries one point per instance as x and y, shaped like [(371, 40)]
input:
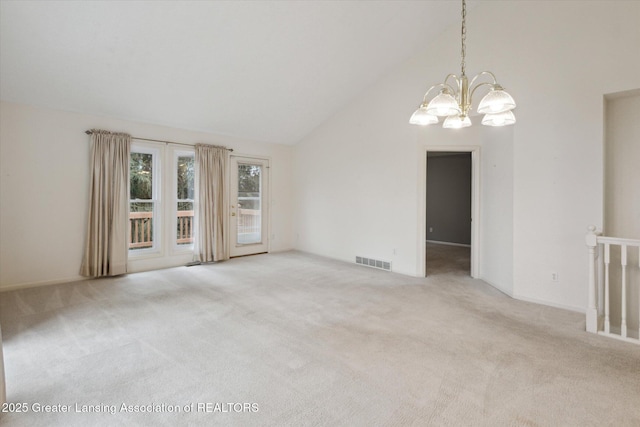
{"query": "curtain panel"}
[(3, 388), (211, 243), (106, 243)]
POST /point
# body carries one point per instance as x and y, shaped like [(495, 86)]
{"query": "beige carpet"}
[(309, 341), (448, 259)]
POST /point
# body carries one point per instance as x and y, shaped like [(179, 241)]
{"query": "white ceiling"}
[(266, 71)]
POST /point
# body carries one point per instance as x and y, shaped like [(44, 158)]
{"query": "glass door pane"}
[(185, 170), (141, 200), (249, 203)]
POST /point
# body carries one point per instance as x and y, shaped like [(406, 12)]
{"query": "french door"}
[(248, 206)]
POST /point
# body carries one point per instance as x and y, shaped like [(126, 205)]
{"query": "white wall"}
[(44, 178), (496, 230), (358, 175), (360, 184), (579, 55)]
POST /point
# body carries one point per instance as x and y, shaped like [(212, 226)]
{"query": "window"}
[(144, 209), (185, 172), (161, 203)]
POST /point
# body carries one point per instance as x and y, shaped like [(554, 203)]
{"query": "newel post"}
[(592, 308)]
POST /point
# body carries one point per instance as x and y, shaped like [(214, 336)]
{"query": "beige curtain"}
[(105, 251), (3, 389), (212, 165)]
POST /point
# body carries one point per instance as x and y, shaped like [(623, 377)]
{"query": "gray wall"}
[(449, 197)]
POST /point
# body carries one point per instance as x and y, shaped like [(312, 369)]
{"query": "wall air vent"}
[(375, 263)]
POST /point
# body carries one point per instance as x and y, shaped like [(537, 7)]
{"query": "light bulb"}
[(496, 101), (422, 118), (443, 105), (457, 122), (500, 119)]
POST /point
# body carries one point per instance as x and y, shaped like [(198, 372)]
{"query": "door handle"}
[(233, 214)]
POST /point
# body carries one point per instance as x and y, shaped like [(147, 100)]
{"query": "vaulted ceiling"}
[(260, 70)]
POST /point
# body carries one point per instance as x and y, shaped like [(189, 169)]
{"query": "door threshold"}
[(243, 256)]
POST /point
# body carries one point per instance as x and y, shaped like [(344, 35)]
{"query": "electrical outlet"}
[(554, 276), (430, 229)]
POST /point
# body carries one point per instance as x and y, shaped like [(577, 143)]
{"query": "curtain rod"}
[(88, 132)]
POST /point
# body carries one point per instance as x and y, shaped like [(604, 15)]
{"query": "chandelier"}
[(456, 94)]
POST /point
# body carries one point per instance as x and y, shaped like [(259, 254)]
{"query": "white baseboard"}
[(437, 242), (276, 251), (13, 287), (498, 287), (534, 300), (551, 304)]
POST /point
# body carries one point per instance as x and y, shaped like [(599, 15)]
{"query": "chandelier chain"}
[(464, 36)]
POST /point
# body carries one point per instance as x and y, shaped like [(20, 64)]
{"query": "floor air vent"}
[(375, 263)]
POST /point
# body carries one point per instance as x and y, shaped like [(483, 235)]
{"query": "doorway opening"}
[(622, 206), (451, 211)]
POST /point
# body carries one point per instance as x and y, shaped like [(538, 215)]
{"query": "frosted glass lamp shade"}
[(496, 101), (443, 105), (456, 122), (421, 117), (500, 119)]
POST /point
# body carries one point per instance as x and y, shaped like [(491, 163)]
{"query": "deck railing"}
[(141, 230), (603, 275), (141, 227), (185, 227), (249, 221)]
